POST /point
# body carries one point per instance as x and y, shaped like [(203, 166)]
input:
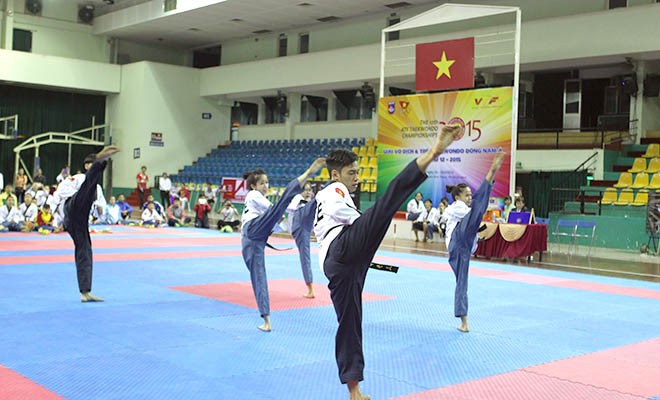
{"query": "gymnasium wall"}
[(163, 99)]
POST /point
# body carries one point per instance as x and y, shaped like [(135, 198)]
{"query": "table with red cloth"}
[(512, 240)]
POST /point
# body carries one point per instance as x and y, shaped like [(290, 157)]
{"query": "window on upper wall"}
[(207, 57), (303, 43), (22, 40), (351, 106), (276, 109), (617, 3), (393, 20), (313, 108), (282, 45)]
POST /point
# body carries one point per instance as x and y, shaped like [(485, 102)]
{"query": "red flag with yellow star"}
[(445, 65)]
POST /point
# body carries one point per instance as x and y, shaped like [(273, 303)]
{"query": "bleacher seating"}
[(641, 181), (625, 197), (641, 198), (639, 165), (283, 160), (654, 166), (625, 180), (653, 150), (655, 182), (609, 197)]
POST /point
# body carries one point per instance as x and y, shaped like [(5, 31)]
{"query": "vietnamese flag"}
[(444, 65)]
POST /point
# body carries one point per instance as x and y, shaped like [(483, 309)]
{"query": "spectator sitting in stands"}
[(63, 174), (229, 217), (39, 193), (202, 210), (9, 192), (415, 207), (124, 207), (520, 205), (176, 215), (29, 210), (184, 196), (39, 177), (112, 214), (150, 217), (209, 193), (45, 220), (11, 218), (157, 206), (428, 221)]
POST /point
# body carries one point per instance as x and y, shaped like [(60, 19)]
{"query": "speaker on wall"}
[(628, 84), (86, 13), (33, 6)]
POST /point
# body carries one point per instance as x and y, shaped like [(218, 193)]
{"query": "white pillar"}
[(7, 33)]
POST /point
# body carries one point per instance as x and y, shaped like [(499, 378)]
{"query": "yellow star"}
[(443, 66)]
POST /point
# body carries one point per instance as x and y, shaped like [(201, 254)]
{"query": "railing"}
[(560, 196), (558, 139)]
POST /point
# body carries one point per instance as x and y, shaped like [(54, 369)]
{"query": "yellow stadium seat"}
[(638, 166), (324, 175), (641, 198), (373, 175), (655, 182), (609, 197), (362, 152), (355, 149), (654, 166), (653, 150), (641, 181), (625, 180), (373, 162), (364, 162), (370, 142), (625, 197)]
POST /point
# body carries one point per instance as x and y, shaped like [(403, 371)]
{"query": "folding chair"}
[(587, 230), (565, 228)]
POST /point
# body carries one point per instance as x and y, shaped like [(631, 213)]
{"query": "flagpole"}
[(514, 111), (381, 86)]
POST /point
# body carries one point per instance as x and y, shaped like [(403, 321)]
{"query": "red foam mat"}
[(520, 385), (623, 373), (285, 294), (14, 386)]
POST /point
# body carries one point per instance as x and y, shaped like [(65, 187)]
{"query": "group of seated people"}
[(426, 218), (429, 220)]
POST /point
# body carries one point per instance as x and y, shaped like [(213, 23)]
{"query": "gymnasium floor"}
[(179, 322)]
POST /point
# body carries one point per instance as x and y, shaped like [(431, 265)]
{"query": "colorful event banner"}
[(409, 125), (234, 189)]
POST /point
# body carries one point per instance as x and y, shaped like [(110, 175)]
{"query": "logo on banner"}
[(391, 107), (404, 106), (234, 189), (480, 101), (445, 65)]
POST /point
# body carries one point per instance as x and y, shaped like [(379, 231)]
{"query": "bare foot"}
[(314, 168), (310, 292), (464, 325), (107, 152), (354, 392), (448, 134), (495, 166), (88, 297), (266, 326)]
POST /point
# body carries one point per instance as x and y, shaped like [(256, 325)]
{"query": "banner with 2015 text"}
[(409, 125)]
